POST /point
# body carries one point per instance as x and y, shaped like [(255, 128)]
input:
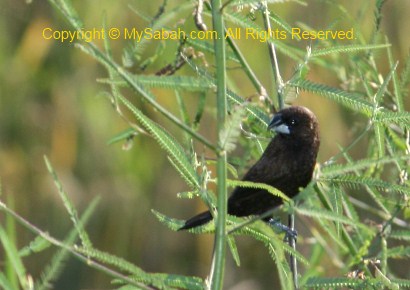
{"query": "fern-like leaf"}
[(234, 250), (346, 49), (13, 258), (234, 99), (382, 89), (231, 131), (400, 235), (352, 101), (109, 259), (173, 224), (405, 74), (172, 82), (272, 190), (263, 232), (398, 252), (400, 118), (396, 84), (355, 181), (329, 215), (169, 281), (69, 206), (261, 35), (340, 169), (55, 268), (339, 282), (39, 244), (179, 159)]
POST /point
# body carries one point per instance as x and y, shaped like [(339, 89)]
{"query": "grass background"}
[(50, 104)]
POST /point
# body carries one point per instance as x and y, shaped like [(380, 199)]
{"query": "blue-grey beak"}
[(278, 125)]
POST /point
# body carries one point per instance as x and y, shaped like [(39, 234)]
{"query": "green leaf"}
[(261, 35), (182, 108), (340, 169), (54, 269), (175, 152), (334, 283), (168, 281), (400, 118), (263, 232), (336, 201), (400, 235), (354, 181), (405, 74), (401, 282), (171, 82), (234, 250), (328, 215), (382, 89), (234, 99), (13, 257), (123, 136), (4, 283), (346, 49), (399, 252), (69, 206), (231, 131), (37, 245), (396, 84), (280, 22), (352, 101), (379, 136), (173, 224), (272, 190)]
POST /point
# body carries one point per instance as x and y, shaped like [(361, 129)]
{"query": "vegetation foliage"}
[(365, 236)]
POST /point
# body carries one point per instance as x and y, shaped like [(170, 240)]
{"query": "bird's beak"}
[(278, 125)]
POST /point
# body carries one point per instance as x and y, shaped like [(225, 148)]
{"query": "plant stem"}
[(106, 60), (292, 259), (278, 82), (345, 235), (138, 88), (72, 250), (248, 70), (218, 263)]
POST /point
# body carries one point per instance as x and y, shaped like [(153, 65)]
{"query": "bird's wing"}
[(250, 201)]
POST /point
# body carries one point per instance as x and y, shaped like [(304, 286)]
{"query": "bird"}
[(287, 164)]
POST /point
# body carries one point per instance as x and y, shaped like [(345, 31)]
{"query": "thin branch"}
[(248, 70), (292, 258), (88, 261), (199, 21), (218, 262), (127, 77), (278, 81), (280, 86)]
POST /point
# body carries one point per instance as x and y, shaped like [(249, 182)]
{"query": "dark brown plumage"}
[(287, 164)]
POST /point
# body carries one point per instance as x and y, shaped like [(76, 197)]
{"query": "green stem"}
[(218, 263), (345, 235), (246, 67), (134, 85), (72, 250), (278, 82), (248, 70), (128, 78)]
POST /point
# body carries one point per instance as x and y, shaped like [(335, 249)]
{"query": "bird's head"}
[(295, 122)]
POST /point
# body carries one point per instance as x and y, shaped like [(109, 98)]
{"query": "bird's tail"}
[(197, 220)]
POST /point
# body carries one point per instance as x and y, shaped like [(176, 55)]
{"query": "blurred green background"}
[(51, 104)]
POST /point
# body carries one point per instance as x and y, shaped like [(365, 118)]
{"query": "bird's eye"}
[(293, 122)]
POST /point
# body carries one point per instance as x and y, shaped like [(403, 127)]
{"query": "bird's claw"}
[(291, 234)]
